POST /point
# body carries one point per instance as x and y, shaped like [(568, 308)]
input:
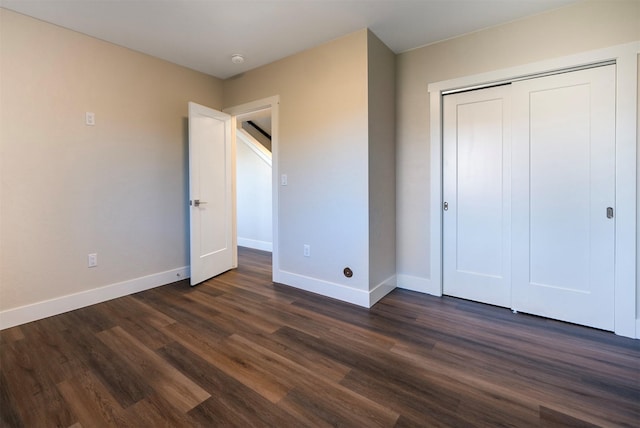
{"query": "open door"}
[(212, 236)]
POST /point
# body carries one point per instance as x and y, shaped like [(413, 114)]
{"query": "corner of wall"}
[(382, 289), (324, 288), (421, 285), (381, 163)]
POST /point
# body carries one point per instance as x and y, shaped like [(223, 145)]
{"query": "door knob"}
[(198, 202)]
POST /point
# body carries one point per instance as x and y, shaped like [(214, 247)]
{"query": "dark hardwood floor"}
[(241, 351)]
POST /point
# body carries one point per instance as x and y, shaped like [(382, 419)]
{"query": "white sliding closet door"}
[(563, 190), (476, 188)]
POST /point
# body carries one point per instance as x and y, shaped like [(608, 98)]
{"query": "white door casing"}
[(563, 184), (476, 193), (213, 247)]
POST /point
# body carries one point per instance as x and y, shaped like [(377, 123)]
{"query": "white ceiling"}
[(203, 34)]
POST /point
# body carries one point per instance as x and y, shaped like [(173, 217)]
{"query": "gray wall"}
[(382, 157)]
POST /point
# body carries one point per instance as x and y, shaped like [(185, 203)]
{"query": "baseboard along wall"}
[(47, 308)]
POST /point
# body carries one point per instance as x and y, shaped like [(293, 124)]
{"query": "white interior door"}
[(476, 191), (213, 246), (563, 184)]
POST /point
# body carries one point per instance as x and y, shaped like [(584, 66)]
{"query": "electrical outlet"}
[(92, 260), (90, 118), (306, 250)]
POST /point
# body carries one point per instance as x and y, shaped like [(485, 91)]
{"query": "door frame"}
[(272, 103), (626, 60)]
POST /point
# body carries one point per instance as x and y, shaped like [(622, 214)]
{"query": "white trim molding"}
[(255, 244), (324, 288), (415, 283), (381, 290), (625, 57), (356, 296), (59, 305)]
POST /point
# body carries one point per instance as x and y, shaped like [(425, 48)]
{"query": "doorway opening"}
[(253, 180), (255, 127)]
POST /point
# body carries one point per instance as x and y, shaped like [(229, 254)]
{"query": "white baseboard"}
[(59, 305), (382, 289), (325, 288), (415, 283), (256, 245)]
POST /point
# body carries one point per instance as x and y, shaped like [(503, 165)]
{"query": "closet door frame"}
[(626, 261)]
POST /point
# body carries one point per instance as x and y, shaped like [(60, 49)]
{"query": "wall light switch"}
[(90, 118), (284, 180)]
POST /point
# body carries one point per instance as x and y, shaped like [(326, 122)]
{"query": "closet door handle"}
[(609, 212), (445, 206)]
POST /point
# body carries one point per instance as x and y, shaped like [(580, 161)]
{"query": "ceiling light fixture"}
[(237, 59)]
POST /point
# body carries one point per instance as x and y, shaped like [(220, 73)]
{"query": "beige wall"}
[(322, 148), (382, 156), (573, 29), (337, 147), (118, 188)]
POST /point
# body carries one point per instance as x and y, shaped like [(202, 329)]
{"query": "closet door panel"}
[(564, 181), (476, 165)]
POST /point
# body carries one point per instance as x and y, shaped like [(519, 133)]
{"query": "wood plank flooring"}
[(240, 351)]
